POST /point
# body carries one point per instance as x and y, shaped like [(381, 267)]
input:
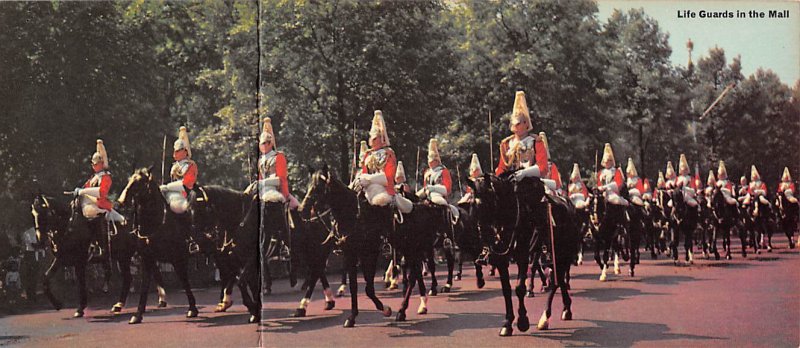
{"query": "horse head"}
[(318, 192), (49, 217), (140, 183)]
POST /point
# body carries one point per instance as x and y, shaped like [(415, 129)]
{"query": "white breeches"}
[(377, 195), (91, 210), (578, 200), (466, 198), (790, 196), (615, 199)]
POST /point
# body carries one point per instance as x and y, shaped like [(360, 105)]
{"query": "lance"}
[(355, 153), (249, 169), (458, 173), (722, 95), (491, 148), (551, 222), (416, 172), (163, 158)]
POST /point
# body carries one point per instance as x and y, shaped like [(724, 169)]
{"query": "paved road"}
[(741, 302)]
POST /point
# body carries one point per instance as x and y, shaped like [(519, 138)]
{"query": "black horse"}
[(788, 216), (468, 240), (414, 237), (159, 240), (313, 241), (225, 233), (525, 221), (725, 217), (685, 218), (763, 224), (612, 234), (361, 226), (56, 222)]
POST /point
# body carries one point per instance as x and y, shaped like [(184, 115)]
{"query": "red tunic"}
[(190, 177), (555, 175), (540, 152), (105, 186), (446, 181), (389, 169)]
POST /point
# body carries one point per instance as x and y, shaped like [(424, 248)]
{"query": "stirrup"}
[(447, 243), (193, 247)]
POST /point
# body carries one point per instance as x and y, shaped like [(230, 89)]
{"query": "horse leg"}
[(407, 290), (565, 298), (182, 270), (544, 320), (162, 293), (479, 276), (505, 283), (267, 279), (300, 311), (714, 250), (149, 271), (48, 275), (350, 262), (343, 286), (448, 254), (522, 274), (688, 243), (106, 276), (125, 269), (369, 265), (431, 262), (80, 273)]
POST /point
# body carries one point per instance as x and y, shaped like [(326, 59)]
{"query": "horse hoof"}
[(117, 307), (58, 306), (458, 277), (422, 310), (78, 314), (566, 315), (267, 291), (544, 322), (447, 288), (387, 311), (340, 292), (603, 276), (523, 324), (769, 249), (481, 283), (631, 272), (531, 293), (433, 292), (136, 319), (716, 256), (506, 331), (162, 304), (728, 257), (616, 270), (254, 319), (401, 316), (223, 306), (329, 305), (299, 313), (349, 322), (392, 286), (192, 313)]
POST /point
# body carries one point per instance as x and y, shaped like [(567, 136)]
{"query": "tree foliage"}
[(131, 73)]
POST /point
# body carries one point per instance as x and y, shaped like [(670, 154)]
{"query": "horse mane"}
[(225, 194)]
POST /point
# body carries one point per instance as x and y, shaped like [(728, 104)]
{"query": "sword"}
[(163, 158), (416, 172)]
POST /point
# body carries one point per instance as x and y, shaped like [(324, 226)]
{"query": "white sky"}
[(771, 43)]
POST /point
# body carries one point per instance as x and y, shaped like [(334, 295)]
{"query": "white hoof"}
[(544, 322), (603, 275)]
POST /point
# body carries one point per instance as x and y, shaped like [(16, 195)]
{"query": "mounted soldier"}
[(522, 152), (180, 192), (725, 185), (635, 184), (787, 187), (610, 179), (552, 169), (686, 183), (379, 168), (578, 193), (94, 200), (475, 172), (437, 182)]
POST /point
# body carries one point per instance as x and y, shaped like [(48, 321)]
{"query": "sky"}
[(770, 43)]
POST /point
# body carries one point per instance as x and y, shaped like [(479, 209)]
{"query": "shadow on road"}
[(617, 334), (611, 294)]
